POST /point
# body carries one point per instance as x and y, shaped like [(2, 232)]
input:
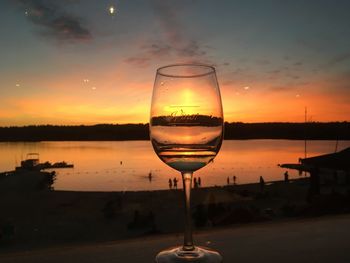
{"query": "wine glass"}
[(186, 131)]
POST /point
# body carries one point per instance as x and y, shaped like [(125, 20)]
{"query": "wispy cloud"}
[(263, 62), (137, 61), (173, 43), (54, 21), (174, 36), (157, 49), (337, 60)]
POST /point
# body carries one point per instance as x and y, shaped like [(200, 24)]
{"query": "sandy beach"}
[(321, 240), (41, 218)]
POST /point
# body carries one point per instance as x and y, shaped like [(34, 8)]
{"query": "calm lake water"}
[(98, 167)]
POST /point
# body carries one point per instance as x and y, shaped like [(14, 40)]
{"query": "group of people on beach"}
[(262, 181), (197, 182), (234, 178), (173, 183)]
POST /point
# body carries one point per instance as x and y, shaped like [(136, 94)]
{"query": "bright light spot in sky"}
[(26, 13), (297, 96), (111, 10), (17, 85), (187, 97), (86, 80), (93, 88), (246, 88)]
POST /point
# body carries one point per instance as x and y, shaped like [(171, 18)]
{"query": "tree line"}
[(115, 132)]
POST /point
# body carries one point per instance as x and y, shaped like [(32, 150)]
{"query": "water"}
[(186, 160), (186, 148), (98, 165), (186, 134)]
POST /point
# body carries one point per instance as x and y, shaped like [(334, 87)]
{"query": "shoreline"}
[(120, 132), (230, 186)]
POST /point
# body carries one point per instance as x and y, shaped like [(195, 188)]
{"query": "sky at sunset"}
[(88, 62)]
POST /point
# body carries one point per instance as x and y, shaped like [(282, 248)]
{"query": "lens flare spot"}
[(112, 10)]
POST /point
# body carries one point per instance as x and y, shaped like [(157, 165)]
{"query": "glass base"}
[(178, 255)]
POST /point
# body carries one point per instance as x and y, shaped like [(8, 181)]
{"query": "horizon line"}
[(147, 123)]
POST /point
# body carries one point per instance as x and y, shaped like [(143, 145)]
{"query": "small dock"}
[(32, 163), (4, 174)]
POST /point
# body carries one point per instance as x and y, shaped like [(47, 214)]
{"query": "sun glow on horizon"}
[(187, 97), (104, 105)]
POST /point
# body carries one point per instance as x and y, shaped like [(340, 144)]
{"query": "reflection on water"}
[(125, 165), (184, 135)]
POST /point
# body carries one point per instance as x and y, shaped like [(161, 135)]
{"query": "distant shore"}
[(41, 217), (118, 132)]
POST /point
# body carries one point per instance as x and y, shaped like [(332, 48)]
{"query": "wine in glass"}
[(186, 131)]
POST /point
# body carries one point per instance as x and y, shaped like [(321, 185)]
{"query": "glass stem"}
[(187, 183)]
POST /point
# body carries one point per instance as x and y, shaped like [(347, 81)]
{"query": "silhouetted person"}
[(136, 216), (121, 162), (234, 179), (195, 183), (228, 180), (262, 183), (175, 183), (335, 178), (314, 182), (7, 230), (199, 181), (286, 177), (150, 176), (152, 221), (170, 183)]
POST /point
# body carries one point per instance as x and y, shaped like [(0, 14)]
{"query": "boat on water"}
[(32, 162), (62, 164)]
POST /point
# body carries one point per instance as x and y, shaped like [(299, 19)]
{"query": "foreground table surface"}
[(324, 239)]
